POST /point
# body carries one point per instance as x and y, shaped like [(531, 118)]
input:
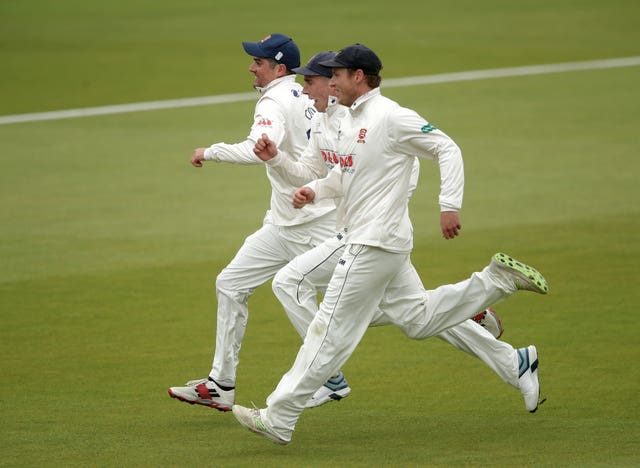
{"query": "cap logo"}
[(266, 38), (279, 55)]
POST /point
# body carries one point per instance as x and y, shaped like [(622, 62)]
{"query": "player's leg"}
[(467, 336), (518, 368), (514, 366), (296, 285), (260, 257), (475, 340), (352, 296), (451, 304)]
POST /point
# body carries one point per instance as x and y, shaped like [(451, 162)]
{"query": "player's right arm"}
[(309, 166), (268, 119)]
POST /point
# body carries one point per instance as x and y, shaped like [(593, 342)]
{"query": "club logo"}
[(428, 128), (309, 111), (361, 135)]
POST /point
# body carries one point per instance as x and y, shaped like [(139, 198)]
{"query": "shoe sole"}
[(213, 404), (527, 274)]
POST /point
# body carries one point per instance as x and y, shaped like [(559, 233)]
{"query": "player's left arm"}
[(450, 224), (320, 189), (329, 186), (417, 136)]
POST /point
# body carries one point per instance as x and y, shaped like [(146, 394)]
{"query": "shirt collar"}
[(364, 98), (275, 82), (332, 105)]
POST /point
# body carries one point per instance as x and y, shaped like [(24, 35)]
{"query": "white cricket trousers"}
[(358, 285), (296, 287), (262, 254)]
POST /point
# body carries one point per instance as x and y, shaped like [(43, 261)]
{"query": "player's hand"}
[(303, 196), (197, 157), (265, 149), (450, 224)]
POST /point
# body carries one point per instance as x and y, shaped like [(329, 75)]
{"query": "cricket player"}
[(377, 141), (284, 114), (296, 285)]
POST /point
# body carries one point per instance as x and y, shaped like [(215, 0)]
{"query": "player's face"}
[(345, 86), (264, 71), (318, 89)]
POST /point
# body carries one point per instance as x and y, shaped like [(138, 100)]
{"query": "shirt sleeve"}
[(309, 166), (415, 136), (267, 119), (328, 187)]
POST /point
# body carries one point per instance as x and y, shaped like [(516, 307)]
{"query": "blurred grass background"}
[(110, 241)]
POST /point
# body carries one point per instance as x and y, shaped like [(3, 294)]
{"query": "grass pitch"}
[(110, 241)]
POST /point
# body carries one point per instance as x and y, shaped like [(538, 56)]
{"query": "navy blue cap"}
[(356, 57), (279, 47), (313, 67)]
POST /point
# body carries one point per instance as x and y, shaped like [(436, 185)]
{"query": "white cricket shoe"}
[(251, 419), (489, 319), (528, 377), (335, 389), (523, 276), (204, 392)]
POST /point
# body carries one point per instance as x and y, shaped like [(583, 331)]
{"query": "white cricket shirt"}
[(285, 115), (376, 146), (317, 159)]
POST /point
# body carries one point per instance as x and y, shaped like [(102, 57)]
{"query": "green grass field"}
[(110, 241)]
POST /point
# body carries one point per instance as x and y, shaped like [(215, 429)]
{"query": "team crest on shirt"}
[(361, 135), (428, 128)]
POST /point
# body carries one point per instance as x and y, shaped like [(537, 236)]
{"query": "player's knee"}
[(413, 333), (228, 295), (227, 285), (223, 282), (283, 280), (278, 280)]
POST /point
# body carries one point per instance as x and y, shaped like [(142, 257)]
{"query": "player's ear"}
[(281, 69)]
